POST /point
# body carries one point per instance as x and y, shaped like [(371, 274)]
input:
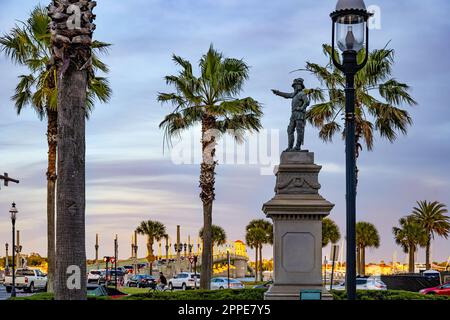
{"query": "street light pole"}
[(7, 258), (228, 268), (13, 211), (349, 25)]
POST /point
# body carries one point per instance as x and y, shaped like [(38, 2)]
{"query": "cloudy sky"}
[(130, 179)]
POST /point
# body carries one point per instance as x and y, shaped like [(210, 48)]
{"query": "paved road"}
[(4, 295)]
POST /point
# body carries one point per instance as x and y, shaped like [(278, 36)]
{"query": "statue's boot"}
[(291, 143)]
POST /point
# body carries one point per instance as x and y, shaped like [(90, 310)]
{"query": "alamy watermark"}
[(259, 149)]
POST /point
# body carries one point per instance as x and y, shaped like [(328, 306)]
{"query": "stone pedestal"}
[(297, 210)]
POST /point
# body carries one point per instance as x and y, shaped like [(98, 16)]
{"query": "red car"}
[(442, 290)]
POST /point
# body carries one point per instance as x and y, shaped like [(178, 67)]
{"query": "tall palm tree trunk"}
[(363, 261), (256, 263), (427, 253), (52, 132), (70, 282), (150, 257), (261, 277), (71, 35), (207, 195), (411, 253)]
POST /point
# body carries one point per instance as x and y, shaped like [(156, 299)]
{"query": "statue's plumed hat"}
[(299, 81)]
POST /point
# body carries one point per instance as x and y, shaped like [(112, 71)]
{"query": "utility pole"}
[(116, 247), (178, 250), (18, 250), (5, 177), (96, 251), (135, 253), (6, 259)]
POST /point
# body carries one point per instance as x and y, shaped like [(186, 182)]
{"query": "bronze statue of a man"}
[(298, 118)]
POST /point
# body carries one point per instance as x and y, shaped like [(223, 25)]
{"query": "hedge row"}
[(250, 294)]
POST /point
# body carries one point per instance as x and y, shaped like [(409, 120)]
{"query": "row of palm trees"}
[(427, 220)]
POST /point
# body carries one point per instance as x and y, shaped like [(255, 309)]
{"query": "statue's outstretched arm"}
[(283, 94)]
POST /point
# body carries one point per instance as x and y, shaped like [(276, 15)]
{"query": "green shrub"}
[(245, 294), (388, 295), (49, 296)]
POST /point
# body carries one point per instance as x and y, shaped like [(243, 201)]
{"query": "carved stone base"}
[(297, 210)]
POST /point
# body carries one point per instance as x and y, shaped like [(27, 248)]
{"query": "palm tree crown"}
[(212, 96), (154, 230), (219, 236), (383, 115), (431, 216), (330, 232), (29, 44), (367, 235), (410, 235)]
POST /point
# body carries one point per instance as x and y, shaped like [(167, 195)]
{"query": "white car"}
[(370, 283), (28, 280), (221, 283), (184, 280), (94, 276)]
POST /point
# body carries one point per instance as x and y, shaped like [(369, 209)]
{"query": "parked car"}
[(369, 283), (265, 285), (110, 277), (95, 290), (221, 283), (184, 280), (28, 280), (94, 276), (441, 290), (129, 269), (141, 281)]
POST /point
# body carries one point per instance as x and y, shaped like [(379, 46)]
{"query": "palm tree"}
[(219, 237), (210, 100), (432, 217), (366, 237), (410, 235), (330, 232), (71, 31), (28, 45), (380, 113), (155, 231), (258, 233)]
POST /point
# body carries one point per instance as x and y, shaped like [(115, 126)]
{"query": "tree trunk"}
[(207, 261), (207, 195), (358, 260), (256, 263), (150, 257), (70, 276), (427, 254), (71, 29), (411, 252), (52, 132), (363, 261), (261, 276)]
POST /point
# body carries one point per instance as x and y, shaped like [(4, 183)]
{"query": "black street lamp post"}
[(349, 27), (13, 211)]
